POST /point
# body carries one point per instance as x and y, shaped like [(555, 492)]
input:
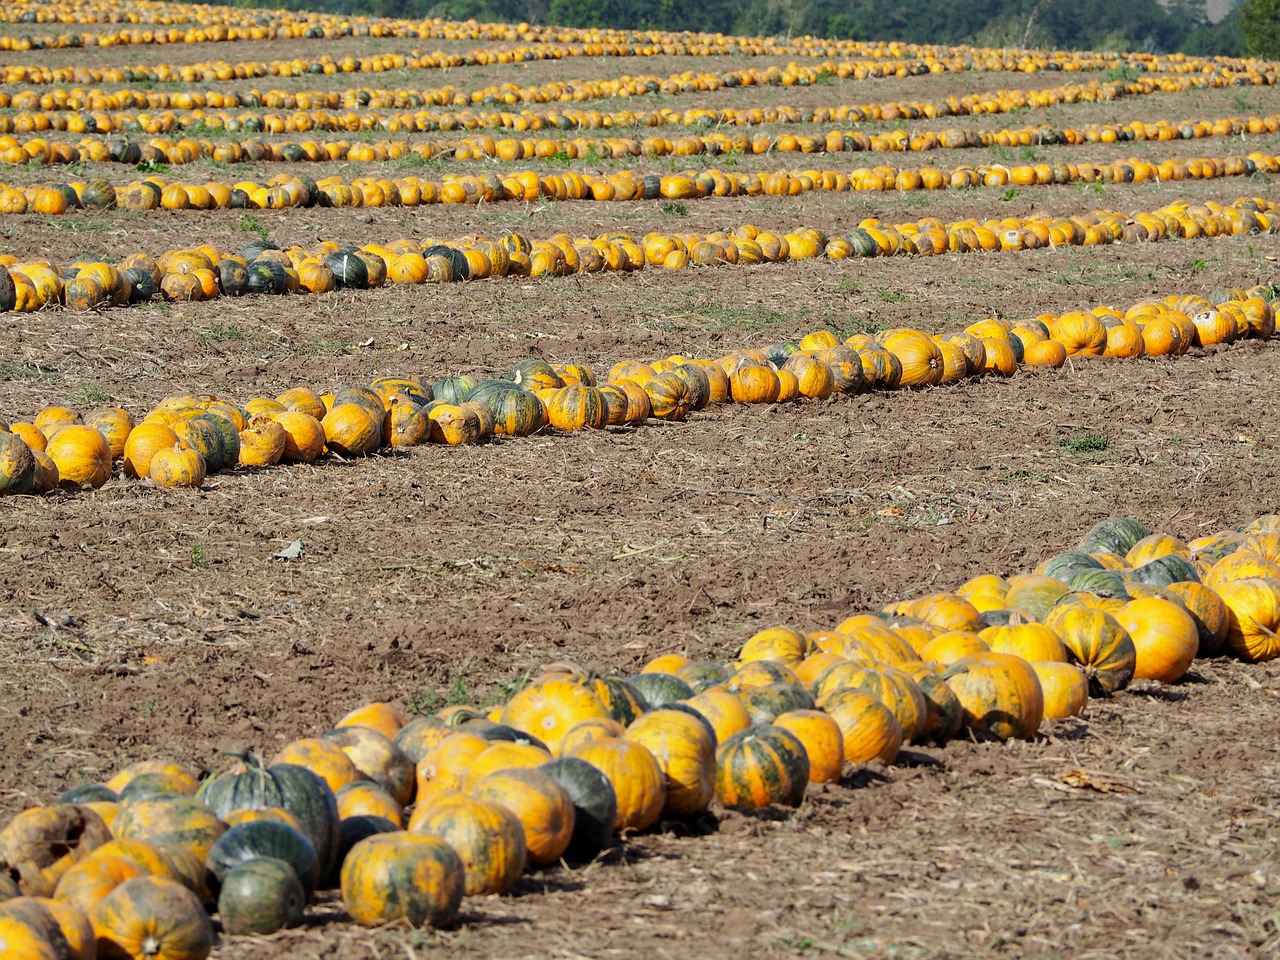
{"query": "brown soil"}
[(136, 622)]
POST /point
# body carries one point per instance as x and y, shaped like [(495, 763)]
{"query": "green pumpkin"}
[(765, 703), (1114, 535), (261, 896), (777, 353), (1066, 565), (349, 270), (1166, 570), (146, 786), (460, 269), (516, 412), (1104, 583), (233, 278), (864, 245), (352, 831), (290, 787), (702, 675), (264, 838), (89, 793), (452, 389), (660, 689), (595, 805), (759, 766)]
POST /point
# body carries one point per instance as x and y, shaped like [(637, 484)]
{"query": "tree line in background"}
[(1252, 27)]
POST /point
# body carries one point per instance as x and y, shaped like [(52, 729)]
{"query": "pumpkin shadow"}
[(1165, 693), (1072, 728), (553, 880), (917, 758)]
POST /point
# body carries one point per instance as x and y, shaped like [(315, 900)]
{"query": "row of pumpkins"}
[(509, 93), (495, 114), (96, 99), (184, 438), (187, 150), (549, 42), (409, 816), (526, 186), (205, 273)]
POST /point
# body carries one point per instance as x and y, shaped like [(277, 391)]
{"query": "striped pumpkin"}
[(759, 766)]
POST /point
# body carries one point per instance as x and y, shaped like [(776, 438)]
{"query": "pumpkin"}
[(152, 918), (351, 430), (1166, 571), (1031, 641), (869, 729), (178, 820), (64, 925), (443, 766), (892, 687), (265, 838), (325, 759), (669, 396), (767, 701), (46, 475), (114, 424), (943, 713), (576, 407), (1114, 535), (166, 768), (148, 857), (87, 883), (402, 877), (486, 836), (177, 466), (549, 708), (1097, 642), (1253, 618), (595, 805), (405, 424), (1035, 594), (19, 939), (419, 735), (753, 383), (283, 785), (365, 798), (378, 759), (39, 845), (542, 806), (1164, 636), (702, 675), (304, 436), (999, 694), (1064, 687), (145, 440), (260, 896), (723, 710), (262, 443), (759, 766), (639, 783), (684, 747), (516, 412), (618, 697), (823, 742), (502, 755), (947, 648), (660, 689), (1210, 614), (302, 400), (783, 644), (760, 673), (82, 456), (17, 465)]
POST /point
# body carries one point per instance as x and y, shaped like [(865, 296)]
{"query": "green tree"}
[(1260, 24)]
